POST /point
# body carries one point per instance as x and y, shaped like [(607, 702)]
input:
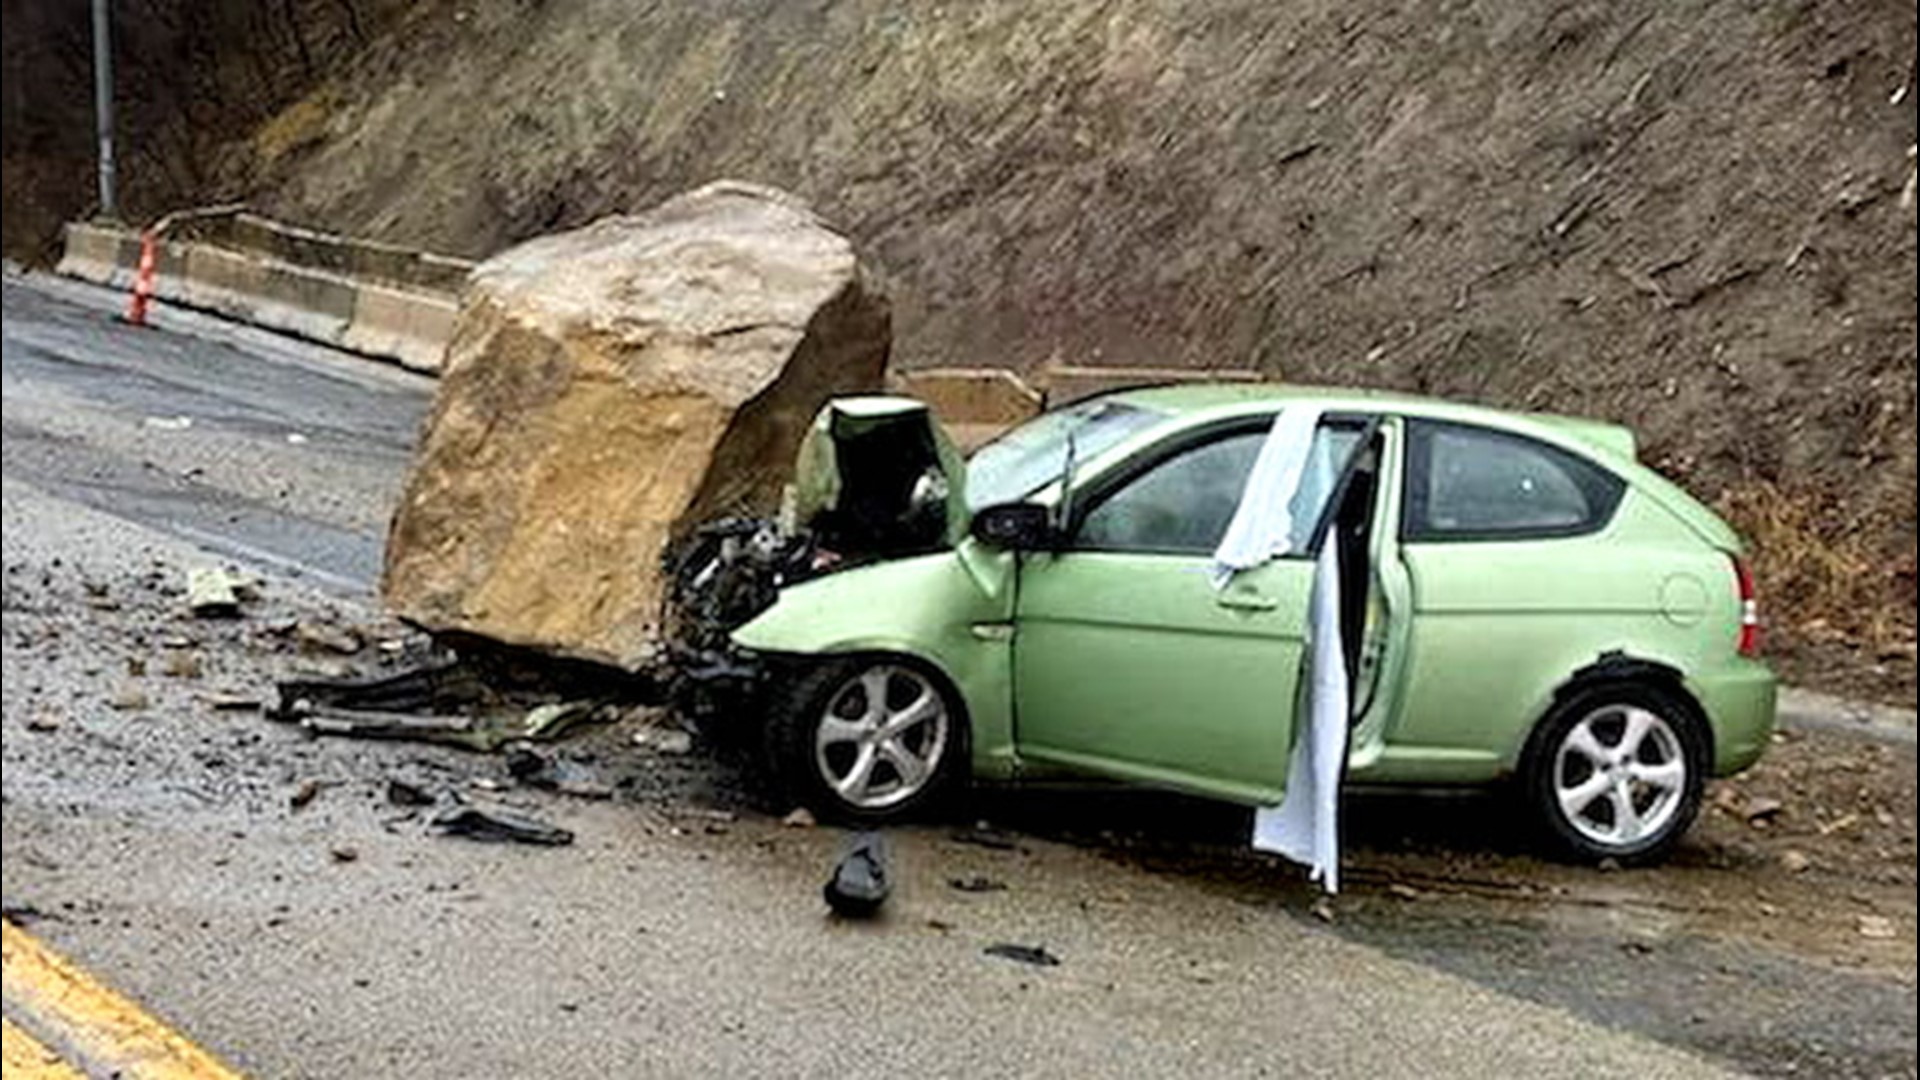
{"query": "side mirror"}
[(1016, 527)]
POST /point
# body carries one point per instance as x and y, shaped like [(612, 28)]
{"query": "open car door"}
[(1129, 663)]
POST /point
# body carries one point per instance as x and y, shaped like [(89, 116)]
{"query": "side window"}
[(1470, 483), (1180, 506)]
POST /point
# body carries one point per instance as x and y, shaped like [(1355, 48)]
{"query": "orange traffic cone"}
[(143, 281)]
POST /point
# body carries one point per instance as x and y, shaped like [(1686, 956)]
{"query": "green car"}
[(1521, 600)]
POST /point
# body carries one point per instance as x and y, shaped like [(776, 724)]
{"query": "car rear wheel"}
[(1617, 772), (867, 740)]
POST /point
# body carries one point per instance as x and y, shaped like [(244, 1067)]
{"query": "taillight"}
[(1749, 639)]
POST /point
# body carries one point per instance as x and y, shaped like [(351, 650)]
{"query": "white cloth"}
[(1263, 525), (1305, 826)]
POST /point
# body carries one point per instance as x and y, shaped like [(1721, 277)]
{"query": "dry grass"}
[(1824, 578)]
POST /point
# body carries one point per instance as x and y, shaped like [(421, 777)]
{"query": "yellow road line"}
[(27, 1058), (108, 1034)]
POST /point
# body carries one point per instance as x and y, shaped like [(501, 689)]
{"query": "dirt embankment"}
[(1693, 217)]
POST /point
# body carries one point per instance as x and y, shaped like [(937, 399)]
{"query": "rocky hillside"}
[(1696, 216)]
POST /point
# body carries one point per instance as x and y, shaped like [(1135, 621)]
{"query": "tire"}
[(850, 762), (1617, 771)]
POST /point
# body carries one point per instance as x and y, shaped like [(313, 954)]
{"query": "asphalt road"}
[(682, 934)]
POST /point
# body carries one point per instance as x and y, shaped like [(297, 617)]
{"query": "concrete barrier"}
[(401, 304), (973, 404), (295, 281)]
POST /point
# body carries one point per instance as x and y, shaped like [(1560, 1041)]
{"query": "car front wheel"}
[(867, 740), (1617, 772)]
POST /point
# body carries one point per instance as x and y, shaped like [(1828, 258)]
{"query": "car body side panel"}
[(1500, 626), (950, 610), (1135, 666)]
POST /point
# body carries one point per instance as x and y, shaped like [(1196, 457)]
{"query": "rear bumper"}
[(1740, 701)]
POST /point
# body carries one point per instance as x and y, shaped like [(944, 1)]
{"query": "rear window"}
[(1473, 483)]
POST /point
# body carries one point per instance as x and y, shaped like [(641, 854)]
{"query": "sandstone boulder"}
[(609, 388)]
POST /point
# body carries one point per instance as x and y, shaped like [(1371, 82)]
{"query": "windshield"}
[(1034, 454)]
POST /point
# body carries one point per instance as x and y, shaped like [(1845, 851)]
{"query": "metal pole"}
[(103, 106)]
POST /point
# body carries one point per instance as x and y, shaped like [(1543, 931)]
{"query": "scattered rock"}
[(43, 723), (664, 740), (978, 883), (128, 698), (167, 423), (212, 593), (799, 818), (316, 638), (1877, 928), (1036, 955), (176, 641), (136, 666), (305, 793), (1323, 910), (859, 886), (1795, 862), (1403, 891), (343, 854), (1761, 811), (182, 665)]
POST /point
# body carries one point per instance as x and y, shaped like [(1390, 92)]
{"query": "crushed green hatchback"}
[(1522, 601)]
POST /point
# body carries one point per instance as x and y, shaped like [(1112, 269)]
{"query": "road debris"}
[(978, 883), (407, 793), (129, 698), (304, 794), (1795, 862), (500, 826), (1761, 812), (859, 883), (799, 818), (1877, 928), (556, 774), (181, 664), (321, 638), (1036, 955), (435, 688), (213, 593), (231, 701), (342, 853), (664, 740), (982, 835)]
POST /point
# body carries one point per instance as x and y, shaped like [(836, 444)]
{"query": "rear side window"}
[(1472, 483)]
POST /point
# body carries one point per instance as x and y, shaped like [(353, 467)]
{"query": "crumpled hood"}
[(877, 475)]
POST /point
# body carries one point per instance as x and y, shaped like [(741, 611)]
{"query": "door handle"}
[(1248, 600)]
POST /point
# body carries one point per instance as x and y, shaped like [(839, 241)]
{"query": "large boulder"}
[(607, 389)]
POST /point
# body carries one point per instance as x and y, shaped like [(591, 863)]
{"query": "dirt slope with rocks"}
[(1694, 217)]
